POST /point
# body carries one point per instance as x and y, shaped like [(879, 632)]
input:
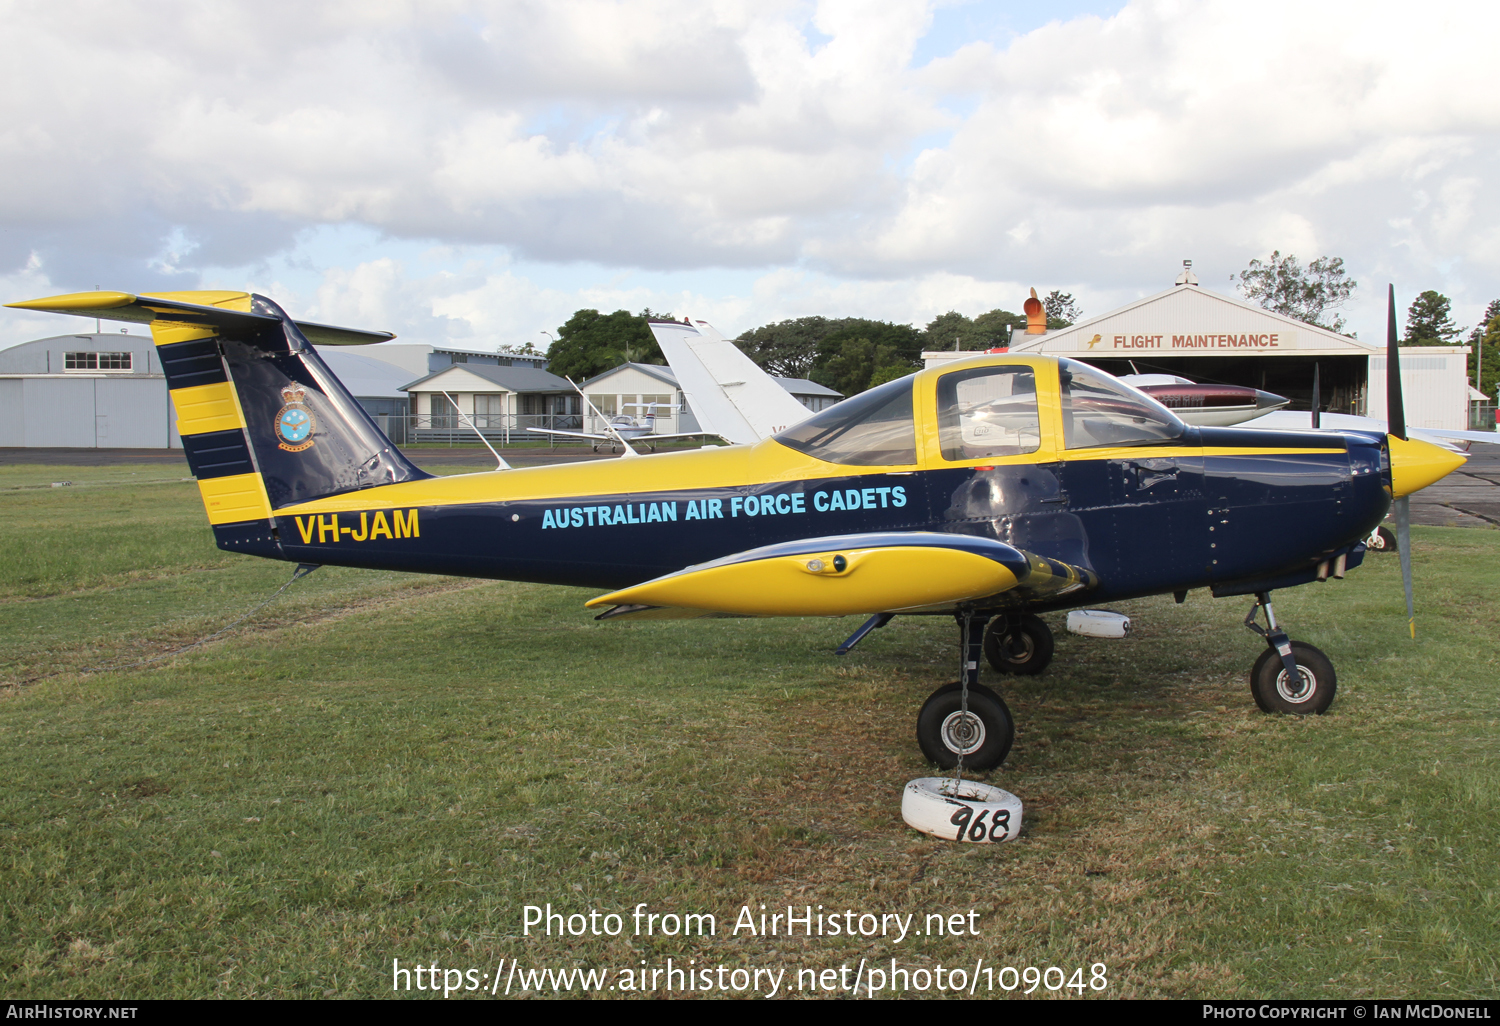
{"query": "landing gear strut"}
[(983, 735), (1290, 676)]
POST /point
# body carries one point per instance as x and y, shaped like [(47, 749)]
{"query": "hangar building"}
[(1210, 337), (85, 391)]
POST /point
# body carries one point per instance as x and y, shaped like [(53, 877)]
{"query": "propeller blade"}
[(1395, 412), (1317, 399), (1403, 548)]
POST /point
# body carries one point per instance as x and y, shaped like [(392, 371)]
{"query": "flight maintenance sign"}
[(1227, 342)]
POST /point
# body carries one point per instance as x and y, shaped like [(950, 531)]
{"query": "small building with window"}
[(99, 390), (502, 402), (634, 389)]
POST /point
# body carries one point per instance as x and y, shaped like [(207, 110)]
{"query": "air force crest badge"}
[(294, 421)]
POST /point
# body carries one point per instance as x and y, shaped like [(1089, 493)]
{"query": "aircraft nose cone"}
[(1268, 401), (1415, 465)]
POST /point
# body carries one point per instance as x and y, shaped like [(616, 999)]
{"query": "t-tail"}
[(264, 422)]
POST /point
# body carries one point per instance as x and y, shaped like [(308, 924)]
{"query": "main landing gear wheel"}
[(1021, 645), (1275, 691), (984, 737)]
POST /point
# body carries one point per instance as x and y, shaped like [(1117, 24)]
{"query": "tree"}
[(1308, 294), (804, 347), (953, 330), (1485, 340), (1062, 310), (1428, 322), (591, 343), (787, 348), (861, 364)]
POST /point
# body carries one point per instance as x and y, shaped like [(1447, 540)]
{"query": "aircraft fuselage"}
[(1216, 507)]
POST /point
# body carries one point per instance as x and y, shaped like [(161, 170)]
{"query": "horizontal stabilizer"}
[(847, 574), (227, 312)]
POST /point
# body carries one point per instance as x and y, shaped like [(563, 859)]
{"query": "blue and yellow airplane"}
[(990, 489)]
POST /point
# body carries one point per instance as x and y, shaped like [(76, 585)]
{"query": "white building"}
[(500, 401), (1210, 337)]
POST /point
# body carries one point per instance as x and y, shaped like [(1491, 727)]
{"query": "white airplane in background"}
[(730, 395)]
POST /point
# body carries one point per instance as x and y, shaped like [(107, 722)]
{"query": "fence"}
[(1482, 417), (497, 428)]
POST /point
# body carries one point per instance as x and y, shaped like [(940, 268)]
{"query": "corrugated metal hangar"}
[(85, 391)]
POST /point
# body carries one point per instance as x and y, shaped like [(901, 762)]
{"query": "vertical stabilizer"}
[(729, 394)]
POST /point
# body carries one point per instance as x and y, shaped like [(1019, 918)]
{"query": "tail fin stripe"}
[(235, 500), (218, 454), (205, 408), (187, 364)]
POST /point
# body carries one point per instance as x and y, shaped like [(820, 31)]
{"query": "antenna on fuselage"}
[(608, 425), (498, 458)]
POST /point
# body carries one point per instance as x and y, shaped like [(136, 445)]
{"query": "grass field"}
[(381, 767)]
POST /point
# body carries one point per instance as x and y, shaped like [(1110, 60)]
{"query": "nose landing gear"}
[(1290, 676), (981, 735)]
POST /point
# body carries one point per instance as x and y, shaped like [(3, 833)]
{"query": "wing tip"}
[(99, 300)]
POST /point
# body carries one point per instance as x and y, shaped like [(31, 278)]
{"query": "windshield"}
[(1098, 410), (872, 429)]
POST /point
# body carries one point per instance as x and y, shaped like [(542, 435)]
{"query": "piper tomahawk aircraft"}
[(990, 489)]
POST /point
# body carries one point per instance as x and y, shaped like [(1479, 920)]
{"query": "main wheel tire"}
[(985, 738), (1313, 694), (1021, 646), (1382, 540)]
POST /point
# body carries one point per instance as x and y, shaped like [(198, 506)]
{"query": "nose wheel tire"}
[(1021, 645), (1275, 690), (984, 737), (1381, 540)]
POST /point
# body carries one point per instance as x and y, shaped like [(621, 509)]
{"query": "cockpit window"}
[(988, 411), (872, 429), (1098, 410)]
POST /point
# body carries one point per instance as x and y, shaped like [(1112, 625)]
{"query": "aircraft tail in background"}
[(729, 394)]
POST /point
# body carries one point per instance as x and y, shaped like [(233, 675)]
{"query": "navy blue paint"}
[(189, 364), (1141, 524), (218, 454), (348, 452)]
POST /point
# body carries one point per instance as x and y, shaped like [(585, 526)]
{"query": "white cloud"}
[(157, 146)]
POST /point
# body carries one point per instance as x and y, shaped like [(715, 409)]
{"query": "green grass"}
[(387, 766)]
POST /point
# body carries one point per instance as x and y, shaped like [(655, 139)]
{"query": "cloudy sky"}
[(470, 172)]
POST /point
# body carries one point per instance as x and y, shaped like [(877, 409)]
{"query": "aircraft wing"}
[(570, 434), (729, 394), (839, 575), (611, 438)]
